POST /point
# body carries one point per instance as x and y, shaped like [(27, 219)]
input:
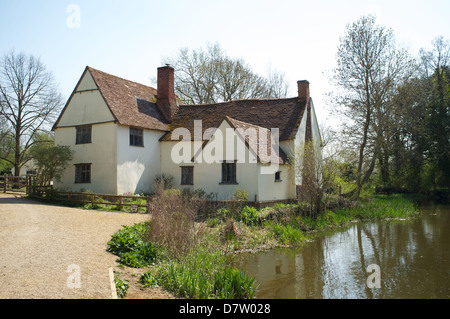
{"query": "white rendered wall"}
[(101, 153), (137, 166)]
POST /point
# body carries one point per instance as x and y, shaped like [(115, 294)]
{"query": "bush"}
[(150, 279), (129, 245), (173, 222), (249, 216), (121, 287)]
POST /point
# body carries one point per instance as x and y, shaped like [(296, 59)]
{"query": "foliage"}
[(232, 283), (370, 67), (121, 287), (150, 279), (129, 245), (287, 234), (383, 207), (50, 161), (249, 215), (240, 195), (215, 280)]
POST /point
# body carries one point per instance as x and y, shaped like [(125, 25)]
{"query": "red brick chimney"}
[(165, 96), (303, 90)]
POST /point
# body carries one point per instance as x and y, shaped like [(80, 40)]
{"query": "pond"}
[(380, 260)]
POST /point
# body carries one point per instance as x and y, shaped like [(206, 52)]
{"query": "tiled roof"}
[(284, 114), (134, 104), (264, 151), (131, 103)]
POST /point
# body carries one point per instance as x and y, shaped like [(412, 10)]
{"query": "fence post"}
[(4, 184), (147, 204)]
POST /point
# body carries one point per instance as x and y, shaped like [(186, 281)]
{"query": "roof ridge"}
[(241, 101), (119, 77)]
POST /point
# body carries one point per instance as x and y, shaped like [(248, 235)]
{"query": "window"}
[(278, 176), (229, 173), (82, 173), (84, 134), (187, 175), (136, 137)]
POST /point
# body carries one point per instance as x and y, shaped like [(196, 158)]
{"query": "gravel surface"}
[(54, 252)]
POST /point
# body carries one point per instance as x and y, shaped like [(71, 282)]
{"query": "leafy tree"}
[(50, 161), (369, 69), (437, 120)]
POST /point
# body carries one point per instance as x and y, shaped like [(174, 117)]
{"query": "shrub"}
[(173, 224), (149, 279), (129, 245), (249, 216), (121, 287), (240, 195)]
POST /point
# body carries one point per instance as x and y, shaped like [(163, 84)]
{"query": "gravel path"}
[(53, 252)]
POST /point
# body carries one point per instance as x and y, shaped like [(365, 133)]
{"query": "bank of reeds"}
[(190, 256)]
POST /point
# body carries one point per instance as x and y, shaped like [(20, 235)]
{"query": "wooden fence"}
[(116, 202), (26, 184), (15, 183)]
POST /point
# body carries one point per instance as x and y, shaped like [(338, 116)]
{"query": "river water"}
[(380, 260)]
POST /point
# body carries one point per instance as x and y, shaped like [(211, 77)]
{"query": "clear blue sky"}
[(130, 38)]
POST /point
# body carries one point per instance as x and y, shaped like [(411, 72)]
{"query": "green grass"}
[(203, 274), (381, 207)]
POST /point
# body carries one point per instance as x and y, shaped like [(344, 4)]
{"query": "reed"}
[(204, 274)]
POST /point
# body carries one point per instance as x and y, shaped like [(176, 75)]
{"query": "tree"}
[(209, 76), (29, 100), (369, 69), (436, 70), (49, 160)]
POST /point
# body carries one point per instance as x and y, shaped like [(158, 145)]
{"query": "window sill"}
[(228, 183), (278, 180)]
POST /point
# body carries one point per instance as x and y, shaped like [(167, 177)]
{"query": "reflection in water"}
[(413, 257)]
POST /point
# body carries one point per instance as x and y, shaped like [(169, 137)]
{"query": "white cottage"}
[(124, 134)]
